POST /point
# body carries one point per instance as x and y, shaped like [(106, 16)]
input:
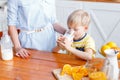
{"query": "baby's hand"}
[(64, 44), (60, 39)]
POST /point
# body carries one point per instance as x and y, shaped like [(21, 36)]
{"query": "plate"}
[(57, 75)]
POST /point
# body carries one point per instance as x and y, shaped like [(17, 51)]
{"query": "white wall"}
[(105, 19), (3, 14)]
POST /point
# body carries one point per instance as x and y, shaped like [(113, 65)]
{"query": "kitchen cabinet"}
[(105, 19)]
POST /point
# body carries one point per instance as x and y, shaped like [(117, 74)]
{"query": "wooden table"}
[(39, 66)]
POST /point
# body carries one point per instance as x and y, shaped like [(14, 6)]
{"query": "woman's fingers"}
[(17, 54), (23, 53)]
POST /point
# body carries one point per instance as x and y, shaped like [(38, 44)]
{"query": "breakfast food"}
[(80, 72), (97, 76), (103, 48), (76, 72), (66, 69)]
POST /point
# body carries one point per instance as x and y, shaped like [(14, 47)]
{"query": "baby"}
[(82, 45)]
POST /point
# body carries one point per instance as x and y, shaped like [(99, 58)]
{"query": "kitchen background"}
[(105, 18), (3, 14)]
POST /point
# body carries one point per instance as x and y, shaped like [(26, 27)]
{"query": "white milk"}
[(6, 47), (7, 54)]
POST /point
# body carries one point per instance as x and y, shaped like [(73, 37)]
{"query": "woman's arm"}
[(59, 28), (20, 52), (12, 20), (14, 36)]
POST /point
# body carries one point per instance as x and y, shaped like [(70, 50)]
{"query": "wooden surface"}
[(39, 66)]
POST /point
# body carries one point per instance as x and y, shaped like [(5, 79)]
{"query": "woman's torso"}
[(33, 14)]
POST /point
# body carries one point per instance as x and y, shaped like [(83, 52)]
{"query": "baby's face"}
[(79, 31)]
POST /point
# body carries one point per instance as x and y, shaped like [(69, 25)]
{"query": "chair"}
[(1, 33)]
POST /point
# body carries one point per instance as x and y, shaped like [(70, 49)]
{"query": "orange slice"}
[(111, 44), (103, 48), (66, 69), (97, 76), (77, 76), (75, 69), (83, 70)]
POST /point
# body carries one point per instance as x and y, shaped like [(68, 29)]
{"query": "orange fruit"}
[(118, 55), (75, 69), (77, 76), (103, 48), (66, 69), (97, 76), (111, 44), (83, 70)]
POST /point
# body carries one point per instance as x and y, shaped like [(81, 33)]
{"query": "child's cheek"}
[(76, 33)]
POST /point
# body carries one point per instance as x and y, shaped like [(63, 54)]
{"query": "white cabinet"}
[(105, 19)]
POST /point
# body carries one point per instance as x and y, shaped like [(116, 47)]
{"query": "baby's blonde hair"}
[(78, 17)]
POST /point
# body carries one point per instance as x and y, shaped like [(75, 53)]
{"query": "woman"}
[(37, 23)]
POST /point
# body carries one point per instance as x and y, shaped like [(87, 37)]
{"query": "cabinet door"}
[(105, 22), (64, 8)]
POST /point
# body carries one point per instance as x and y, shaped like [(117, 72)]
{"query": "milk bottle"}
[(6, 47)]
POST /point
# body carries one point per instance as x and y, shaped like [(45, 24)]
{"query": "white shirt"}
[(32, 15)]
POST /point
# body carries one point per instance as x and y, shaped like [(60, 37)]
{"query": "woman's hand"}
[(21, 52)]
